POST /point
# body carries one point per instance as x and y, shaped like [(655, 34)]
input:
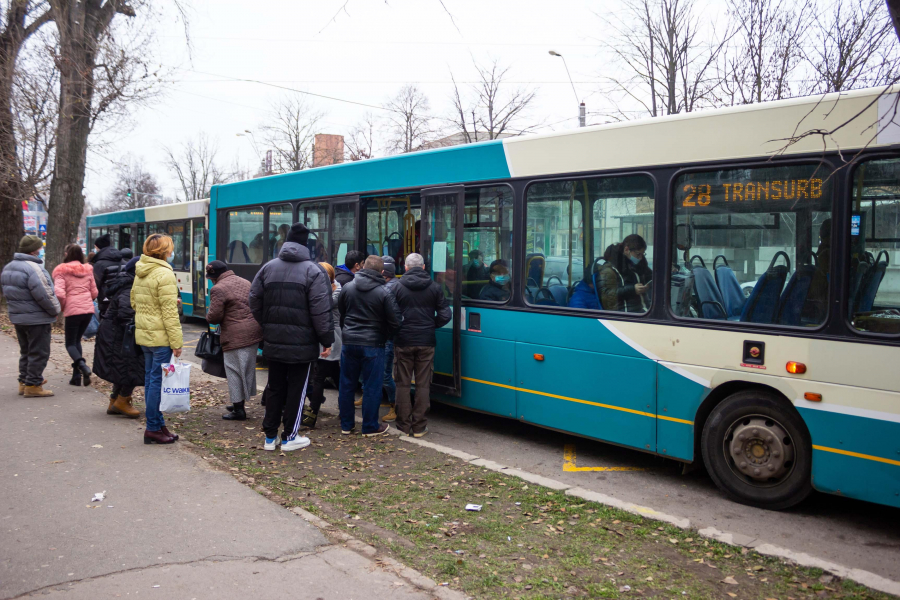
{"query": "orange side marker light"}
[(538, 357), (796, 368), (813, 397)]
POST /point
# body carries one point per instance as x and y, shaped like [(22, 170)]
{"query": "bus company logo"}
[(176, 391), (754, 352)]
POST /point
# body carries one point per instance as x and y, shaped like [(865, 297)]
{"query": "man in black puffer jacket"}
[(291, 299), (424, 309), (369, 316)]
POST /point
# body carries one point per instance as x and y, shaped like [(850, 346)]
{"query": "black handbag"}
[(129, 346), (209, 347)]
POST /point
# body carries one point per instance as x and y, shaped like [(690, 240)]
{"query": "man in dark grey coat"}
[(33, 307), (291, 299)]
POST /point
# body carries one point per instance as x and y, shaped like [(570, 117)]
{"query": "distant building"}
[(328, 149), (458, 139)]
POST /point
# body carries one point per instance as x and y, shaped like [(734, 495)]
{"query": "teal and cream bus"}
[(185, 223), (764, 334)]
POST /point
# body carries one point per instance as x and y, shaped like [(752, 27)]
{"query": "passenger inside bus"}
[(277, 240), (584, 294), (476, 274), (625, 277), (497, 290)]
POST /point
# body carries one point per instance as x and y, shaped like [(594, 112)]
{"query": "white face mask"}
[(170, 257)]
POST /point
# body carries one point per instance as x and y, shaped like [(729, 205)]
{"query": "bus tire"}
[(758, 451)]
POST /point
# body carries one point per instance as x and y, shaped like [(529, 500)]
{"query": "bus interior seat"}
[(733, 298), (394, 245), (544, 297), (682, 292), (763, 300), (242, 252), (711, 303), (534, 269), (871, 282), (858, 273), (372, 249), (794, 296), (560, 294)]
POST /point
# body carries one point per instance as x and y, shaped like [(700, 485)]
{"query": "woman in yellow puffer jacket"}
[(154, 298)]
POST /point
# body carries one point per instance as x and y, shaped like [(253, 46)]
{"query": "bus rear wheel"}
[(758, 451)]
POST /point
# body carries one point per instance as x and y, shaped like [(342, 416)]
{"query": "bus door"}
[(198, 266), (441, 237)]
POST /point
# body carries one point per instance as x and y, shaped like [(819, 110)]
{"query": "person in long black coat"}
[(124, 370)]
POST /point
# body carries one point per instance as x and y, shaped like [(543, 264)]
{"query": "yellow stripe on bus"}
[(857, 455), (578, 400)]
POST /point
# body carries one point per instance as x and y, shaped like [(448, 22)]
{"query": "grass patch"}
[(527, 542)]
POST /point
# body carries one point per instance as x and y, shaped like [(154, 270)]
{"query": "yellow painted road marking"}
[(857, 455), (570, 466)]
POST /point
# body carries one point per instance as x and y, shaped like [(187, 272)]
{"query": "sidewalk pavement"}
[(169, 527)]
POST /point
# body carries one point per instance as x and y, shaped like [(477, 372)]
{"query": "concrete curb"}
[(866, 578)]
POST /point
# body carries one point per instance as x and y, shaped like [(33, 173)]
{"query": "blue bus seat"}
[(868, 288), (857, 274), (711, 302), (682, 292), (790, 305), (560, 294), (534, 269), (543, 297), (239, 247), (394, 245), (733, 298), (763, 300)]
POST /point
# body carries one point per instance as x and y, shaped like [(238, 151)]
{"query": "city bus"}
[(185, 222)]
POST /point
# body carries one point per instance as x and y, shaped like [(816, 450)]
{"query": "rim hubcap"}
[(760, 450)]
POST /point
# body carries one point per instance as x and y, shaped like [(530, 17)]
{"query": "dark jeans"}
[(388, 384), (122, 390), (34, 352), (418, 361), (367, 361), (324, 369), (76, 325), (284, 402), (154, 359)]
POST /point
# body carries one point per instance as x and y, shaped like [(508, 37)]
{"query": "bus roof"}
[(164, 212)]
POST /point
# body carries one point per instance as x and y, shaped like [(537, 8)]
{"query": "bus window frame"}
[(833, 173), (266, 208), (844, 283), (522, 223), (517, 239), (224, 217)]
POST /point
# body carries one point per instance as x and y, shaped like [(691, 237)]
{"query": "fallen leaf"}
[(673, 541), (730, 580), (96, 446), (732, 595)]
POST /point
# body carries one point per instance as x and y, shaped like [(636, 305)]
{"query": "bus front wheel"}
[(758, 451)]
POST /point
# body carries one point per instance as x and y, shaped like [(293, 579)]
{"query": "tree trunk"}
[(894, 10), (74, 126)]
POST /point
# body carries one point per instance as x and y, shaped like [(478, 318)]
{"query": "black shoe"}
[(237, 414), (229, 407), (85, 372), (310, 417), (76, 379)]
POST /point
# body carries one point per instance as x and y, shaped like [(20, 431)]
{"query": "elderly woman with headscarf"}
[(239, 334)]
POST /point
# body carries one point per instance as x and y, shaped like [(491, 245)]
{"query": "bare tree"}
[(35, 106), (360, 142), (855, 46), (668, 55), (408, 123), (195, 166), (491, 107), (21, 19), (766, 51), (134, 187), (291, 133)]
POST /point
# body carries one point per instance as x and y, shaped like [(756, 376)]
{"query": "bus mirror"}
[(206, 238), (683, 236)]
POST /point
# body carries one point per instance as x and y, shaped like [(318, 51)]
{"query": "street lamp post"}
[(582, 116), (249, 135)]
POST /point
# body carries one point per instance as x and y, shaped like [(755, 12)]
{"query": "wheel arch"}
[(723, 391)]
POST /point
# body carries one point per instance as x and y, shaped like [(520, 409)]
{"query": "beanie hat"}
[(216, 268), (390, 267), (129, 266), (298, 234), (30, 243), (127, 254), (102, 241)]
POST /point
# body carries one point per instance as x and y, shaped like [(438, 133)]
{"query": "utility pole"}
[(582, 114)]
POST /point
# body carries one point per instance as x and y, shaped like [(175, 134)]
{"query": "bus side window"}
[(245, 236), (874, 274), (753, 245), (487, 244)]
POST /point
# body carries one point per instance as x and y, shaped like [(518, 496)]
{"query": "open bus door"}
[(441, 246)]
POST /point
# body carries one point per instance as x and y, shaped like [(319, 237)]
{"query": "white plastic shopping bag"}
[(176, 387)]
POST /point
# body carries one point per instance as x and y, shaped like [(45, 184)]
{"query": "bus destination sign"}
[(749, 191)]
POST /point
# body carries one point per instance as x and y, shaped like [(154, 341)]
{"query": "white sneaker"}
[(295, 444), (272, 443)]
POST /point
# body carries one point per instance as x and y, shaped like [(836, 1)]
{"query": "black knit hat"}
[(102, 241), (216, 268), (298, 234)]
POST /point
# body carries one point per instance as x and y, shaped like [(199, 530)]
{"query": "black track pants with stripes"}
[(284, 403)]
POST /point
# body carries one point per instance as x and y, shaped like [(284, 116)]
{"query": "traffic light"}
[(128, 193)]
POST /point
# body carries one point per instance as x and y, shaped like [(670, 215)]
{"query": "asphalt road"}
[(852, 533)]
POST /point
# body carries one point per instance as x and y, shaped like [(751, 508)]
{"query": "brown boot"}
[(122, 406), (156, 437), (22, 387), (391, 416), (166, 431), (36, 391)]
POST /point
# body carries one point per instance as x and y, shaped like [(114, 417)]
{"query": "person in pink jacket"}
[(76, 291)]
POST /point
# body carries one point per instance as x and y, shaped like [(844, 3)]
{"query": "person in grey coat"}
[(291, 298), (33, 307)]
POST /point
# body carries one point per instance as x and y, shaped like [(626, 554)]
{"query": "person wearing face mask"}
[(626, 276), (498, 288), (476, 274)]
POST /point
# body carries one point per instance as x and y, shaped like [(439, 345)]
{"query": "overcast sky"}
[(363, 55)]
